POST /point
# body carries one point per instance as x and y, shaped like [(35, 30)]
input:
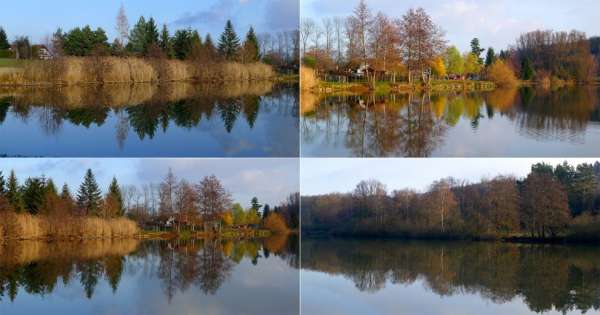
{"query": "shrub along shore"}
[(107, 70)]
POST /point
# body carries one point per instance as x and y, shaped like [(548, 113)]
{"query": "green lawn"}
[(11, 63)]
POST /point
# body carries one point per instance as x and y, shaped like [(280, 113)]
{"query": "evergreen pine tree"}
[(2, 184), (49, 187), (13, 193), (527, 72), (137, 37), (490, 58), (114, 191), (89, 195), (266, 211), (33, 193), (251, 47), (182, 43), (4, 44), (476, 49), (65, 193), (197, 51), (165, 41), (151, 34), (229, 44), (255, 205)]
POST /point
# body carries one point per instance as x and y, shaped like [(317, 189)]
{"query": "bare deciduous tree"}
[(422, 41), (307, 29), (122, 25)]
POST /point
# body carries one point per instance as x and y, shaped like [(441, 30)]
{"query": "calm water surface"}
[(151, 277), (455, 278), (176, 120), (517, 122)]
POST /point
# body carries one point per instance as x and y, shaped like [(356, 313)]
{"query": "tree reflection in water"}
[(37, 267), (414, 125), (147, 109), (547, 277)]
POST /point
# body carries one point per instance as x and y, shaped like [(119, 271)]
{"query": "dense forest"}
[(549, 203), (36, 208), (413, 47)]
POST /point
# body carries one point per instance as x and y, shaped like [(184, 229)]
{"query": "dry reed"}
[(109, 70), (308, 78), (29, 227)]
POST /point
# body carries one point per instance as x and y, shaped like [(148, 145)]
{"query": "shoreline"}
[(562, 240), (386, 87)]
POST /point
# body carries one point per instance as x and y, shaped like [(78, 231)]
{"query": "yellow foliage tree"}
[(438, 67), (472, 65), (275, 223), (227, 219), (501, 74)]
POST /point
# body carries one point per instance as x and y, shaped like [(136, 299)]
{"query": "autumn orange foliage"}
[(276, 224)]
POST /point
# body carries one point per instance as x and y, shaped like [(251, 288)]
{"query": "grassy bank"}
[(40, 227), (11, 63), (225, 233), (387, 87), (107, 70), (310, 82)]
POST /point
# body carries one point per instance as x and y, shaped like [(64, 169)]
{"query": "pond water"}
[(523, 122), (150, 277), (175, 120), (341, 276)]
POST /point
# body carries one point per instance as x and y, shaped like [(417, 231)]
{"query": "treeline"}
[(145, 39), (551, 202), (39, 195), (189, 206), (413, 47), (37, 209)]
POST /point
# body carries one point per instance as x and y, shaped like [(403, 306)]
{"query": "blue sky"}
[(38, 18), (496, 23), (319, 176), (270, 180)]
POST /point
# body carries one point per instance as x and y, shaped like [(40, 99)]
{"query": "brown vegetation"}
[(501, 74), (104, 70), (541, 206), (369, 46), (39, 227), (276, 224), (308, 78)]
